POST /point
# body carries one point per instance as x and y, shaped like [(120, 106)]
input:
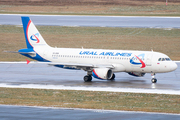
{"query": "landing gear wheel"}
[(153, 80), (87, 78), (113, 76)]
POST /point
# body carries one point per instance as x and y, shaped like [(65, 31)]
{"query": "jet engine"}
[(102, 73), (137, 74)]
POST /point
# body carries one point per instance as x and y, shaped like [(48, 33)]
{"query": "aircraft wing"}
[(80, 66)]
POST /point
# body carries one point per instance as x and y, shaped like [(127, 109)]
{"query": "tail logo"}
[(132, 61), (35, 37)]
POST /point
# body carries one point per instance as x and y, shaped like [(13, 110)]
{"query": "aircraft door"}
[(149, 59), (46, 54)]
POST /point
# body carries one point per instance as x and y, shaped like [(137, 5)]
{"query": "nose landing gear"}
[(153, 80)]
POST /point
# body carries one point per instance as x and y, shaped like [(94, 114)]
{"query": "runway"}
[(35, 75), (40, 75), (47, 113), (94, 21)]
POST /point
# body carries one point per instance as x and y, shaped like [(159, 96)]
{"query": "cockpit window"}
[(168, 59), (164, 59)]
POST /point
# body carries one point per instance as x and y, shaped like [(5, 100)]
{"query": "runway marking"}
[(105, 89)]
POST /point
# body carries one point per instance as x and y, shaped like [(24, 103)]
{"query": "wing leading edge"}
[(79, 66)]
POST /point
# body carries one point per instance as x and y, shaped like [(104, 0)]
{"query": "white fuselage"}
[(120, 59)]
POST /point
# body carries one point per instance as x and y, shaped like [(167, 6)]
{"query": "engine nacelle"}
[(102, 73), (137, 74)]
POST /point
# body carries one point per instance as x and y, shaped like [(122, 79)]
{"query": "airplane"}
[(98, 63)]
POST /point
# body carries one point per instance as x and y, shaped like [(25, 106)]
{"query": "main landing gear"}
[(153, 80), (87, 78)]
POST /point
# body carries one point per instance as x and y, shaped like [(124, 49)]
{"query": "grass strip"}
[(111, 10), (91, 100), (96, 14)]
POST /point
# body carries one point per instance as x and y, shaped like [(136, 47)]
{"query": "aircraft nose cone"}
[(174, 66)]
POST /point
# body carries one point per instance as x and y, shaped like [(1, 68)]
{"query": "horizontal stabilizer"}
[(33, 54), (11, 51), (29, 53)]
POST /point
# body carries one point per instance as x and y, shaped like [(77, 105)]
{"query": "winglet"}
[(28, 61)]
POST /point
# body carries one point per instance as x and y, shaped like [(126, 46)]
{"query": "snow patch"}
[(106, 89)]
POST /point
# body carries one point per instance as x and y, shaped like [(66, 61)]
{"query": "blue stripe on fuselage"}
[(25, 22)]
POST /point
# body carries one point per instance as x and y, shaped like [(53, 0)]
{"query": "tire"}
[(87, 78), (154, 80)]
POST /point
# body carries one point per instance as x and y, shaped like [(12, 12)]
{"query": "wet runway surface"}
[(43, 113), (43, 74), (94, 21), (17, 74)]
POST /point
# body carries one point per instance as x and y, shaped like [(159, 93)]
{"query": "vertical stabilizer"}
[(32, 35)]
